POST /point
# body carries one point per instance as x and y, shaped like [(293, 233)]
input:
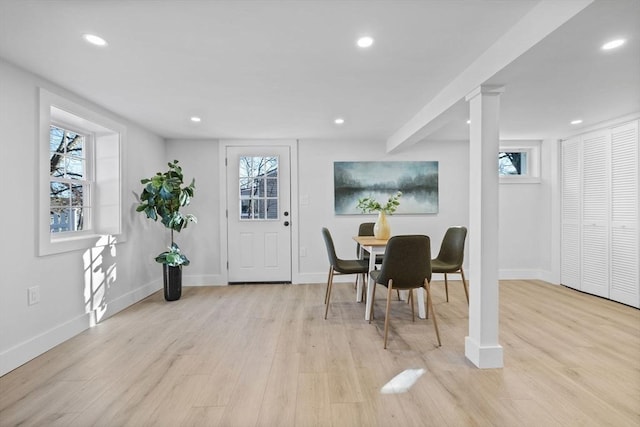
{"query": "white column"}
[(481, 346)]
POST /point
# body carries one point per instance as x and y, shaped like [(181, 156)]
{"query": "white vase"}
[(381, 229)]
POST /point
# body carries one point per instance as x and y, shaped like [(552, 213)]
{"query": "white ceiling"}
[(287, 69)]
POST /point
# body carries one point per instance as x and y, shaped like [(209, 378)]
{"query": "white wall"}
[(200, 159), (525, 209), (527, 212), (27, 331), (519, 230), (316, 159)]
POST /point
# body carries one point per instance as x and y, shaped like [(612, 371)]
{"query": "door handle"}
[(286, 223)]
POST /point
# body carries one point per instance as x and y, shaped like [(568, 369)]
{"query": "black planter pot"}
[(172, 282)]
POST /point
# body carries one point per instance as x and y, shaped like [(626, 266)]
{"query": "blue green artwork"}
[(418, 182)]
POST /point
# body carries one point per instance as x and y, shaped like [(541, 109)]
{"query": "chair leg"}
[(329, 286), (326, 291), (364, 286), (466, 286), (446, 286), (427, 287), (412, 302), (386, 316)]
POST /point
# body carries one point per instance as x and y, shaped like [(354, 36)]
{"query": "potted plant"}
[(381, 229), (163, 196)]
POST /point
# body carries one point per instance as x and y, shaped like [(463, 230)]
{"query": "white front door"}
[(258, 214)]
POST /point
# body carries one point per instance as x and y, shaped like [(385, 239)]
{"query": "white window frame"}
[(103, 160), (532, 148)]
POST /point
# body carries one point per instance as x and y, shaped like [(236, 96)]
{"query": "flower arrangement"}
[(369, 204)]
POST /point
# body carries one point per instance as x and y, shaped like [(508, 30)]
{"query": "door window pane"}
[(272, 209), (258, 187)]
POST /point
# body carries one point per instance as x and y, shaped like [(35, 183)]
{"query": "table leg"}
[(359, 281), (370, 285), (421, 299)]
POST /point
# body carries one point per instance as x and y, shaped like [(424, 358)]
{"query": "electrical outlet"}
[(33, 295), (303, 251)]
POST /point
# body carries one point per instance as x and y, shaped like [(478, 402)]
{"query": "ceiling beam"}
[(538, 23)]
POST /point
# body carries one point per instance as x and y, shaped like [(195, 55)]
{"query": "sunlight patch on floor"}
[(402, 382), (99, 275)]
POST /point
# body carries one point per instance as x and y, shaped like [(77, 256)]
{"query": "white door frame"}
[(294, 211)]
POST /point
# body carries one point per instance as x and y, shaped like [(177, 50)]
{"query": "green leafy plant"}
[(163, 196), (369, 204), (173, 257)]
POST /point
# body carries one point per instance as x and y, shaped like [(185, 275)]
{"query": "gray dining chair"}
[(340, 266), (366, 229), (451, 256), (406, 266)]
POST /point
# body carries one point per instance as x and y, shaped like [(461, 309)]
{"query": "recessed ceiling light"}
[(195, 119), (365, 42), (468, 122), (613, 44), (576, 122), (95, 40), (339, 121)]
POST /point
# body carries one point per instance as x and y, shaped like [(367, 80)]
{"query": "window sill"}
[(519, 180), (60, 245)]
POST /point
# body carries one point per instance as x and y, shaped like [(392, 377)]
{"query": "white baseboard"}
[(202, 280), (519, 274), (307, 278), (484, 357), (35, 346), (132, 297), (549, 277), (505, 274)]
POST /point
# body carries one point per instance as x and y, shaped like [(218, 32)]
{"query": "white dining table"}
[(377, 247)]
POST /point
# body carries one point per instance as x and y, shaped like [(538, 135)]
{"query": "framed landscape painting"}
[(418, 182)]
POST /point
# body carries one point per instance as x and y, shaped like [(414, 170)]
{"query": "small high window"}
[(512, 163), (519, 162)]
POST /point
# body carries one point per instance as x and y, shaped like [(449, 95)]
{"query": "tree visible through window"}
[(258, 187), (69, 182), (512, 163)]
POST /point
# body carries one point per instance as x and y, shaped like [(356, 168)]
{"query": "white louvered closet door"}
[(571, 212), (595, 213), (625, 277)]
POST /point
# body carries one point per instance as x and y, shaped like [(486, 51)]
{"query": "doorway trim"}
[(222, 150)]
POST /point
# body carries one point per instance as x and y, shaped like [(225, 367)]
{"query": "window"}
[(512, 163), (519, 162), (70, 180), (258, 188), (80, 176)]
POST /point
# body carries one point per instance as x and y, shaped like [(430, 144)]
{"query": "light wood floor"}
[(263, 355)]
